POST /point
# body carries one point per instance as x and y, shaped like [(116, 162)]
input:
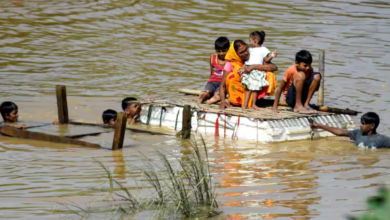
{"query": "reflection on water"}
[(107, 49)]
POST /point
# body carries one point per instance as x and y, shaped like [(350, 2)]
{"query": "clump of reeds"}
[(181, 187)]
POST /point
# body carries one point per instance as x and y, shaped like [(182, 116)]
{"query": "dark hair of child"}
[(259, 35), (222, 43), (237, 44), (371, 118), (108, 115), (6, 108), (125, 102), (303, 56)]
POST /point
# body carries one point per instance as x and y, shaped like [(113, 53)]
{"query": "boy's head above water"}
[(109, 117), (222, 45), (9, 111), (256, 38), (303, 60), (369, 122), (128, 107)]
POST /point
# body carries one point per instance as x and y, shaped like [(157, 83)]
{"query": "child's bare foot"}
[(255, 107), (203, 95), (213, 99), (310, 108), (304, 110)]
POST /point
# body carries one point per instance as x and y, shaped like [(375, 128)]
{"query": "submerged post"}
[(186, 127), (321, 69), (120, 128), (62, 104)]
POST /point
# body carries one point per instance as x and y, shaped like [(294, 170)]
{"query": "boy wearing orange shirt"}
[(299, 84)]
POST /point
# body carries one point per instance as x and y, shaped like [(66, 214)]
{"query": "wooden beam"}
[(322, 83), (120, 128), (186, 126), (62, 104), (25, 134), (131, 129), (190, 91)]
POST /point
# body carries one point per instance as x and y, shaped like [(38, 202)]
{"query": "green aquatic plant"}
[(180, 187), (378, 207)]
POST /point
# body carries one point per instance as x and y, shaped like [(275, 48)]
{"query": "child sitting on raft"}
[(132, 109), (299, 84), (109, 117), (256, 79), (217, 63), (366, 136)]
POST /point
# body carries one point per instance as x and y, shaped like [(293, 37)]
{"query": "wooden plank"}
[(120, 128), (25, 134), (186, 126), (62, 104), (190, 91), (322, 83), (131, 129)]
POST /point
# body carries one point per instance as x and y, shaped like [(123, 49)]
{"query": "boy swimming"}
[(366, 136), (9, 112), (109, 117), (299, 84), (217, 64), (132, 109)]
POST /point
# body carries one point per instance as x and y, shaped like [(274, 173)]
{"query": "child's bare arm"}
[(277, 97), (268, 58), (136, 115), (211, 69), (335, 131)]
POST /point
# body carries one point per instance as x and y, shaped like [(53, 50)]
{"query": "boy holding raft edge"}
[(366, 136), (132, 108), (299, 84)]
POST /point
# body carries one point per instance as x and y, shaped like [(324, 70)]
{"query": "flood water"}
[(105, 50)]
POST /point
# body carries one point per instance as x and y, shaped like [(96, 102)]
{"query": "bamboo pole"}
[(62, 104), (186, 126), (322, 83), (120, 128)]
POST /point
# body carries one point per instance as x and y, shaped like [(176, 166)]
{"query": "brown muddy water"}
[(105, 50)]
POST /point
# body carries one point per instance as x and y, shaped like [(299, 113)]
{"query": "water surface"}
[(107, 50)]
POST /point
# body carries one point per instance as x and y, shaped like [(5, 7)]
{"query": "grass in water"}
[(179, 188)]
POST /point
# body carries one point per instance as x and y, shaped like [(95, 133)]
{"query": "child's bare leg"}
[(203, 96), (312, 89), (215, 98), (247, 96), (254, 100)]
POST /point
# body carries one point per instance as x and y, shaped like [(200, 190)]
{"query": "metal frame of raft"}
[(261, 126)]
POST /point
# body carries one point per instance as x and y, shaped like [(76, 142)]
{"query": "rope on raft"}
[(177, 118), (217, 126), (224, 127), (162, 109), (234, 135), (149, 114)]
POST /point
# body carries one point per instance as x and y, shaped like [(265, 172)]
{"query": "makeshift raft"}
[(258, 125)]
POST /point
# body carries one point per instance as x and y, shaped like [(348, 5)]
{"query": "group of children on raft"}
[(247, 75)]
